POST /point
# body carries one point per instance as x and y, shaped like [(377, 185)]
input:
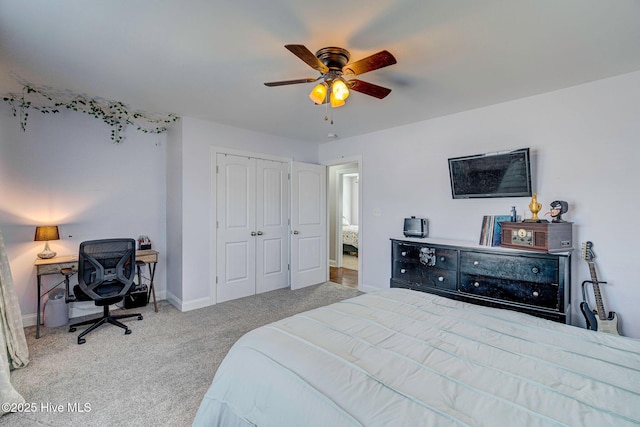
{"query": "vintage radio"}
[(537, 236), (416, 227)]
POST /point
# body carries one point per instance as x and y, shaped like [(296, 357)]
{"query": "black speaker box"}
[(138, 297)]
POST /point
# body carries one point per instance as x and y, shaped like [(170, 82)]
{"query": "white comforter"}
[(405, 358)]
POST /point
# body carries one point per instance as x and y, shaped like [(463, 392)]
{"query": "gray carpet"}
[(156, 376)]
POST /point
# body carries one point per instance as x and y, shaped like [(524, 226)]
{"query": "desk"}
[(54, 265), (150, 257)]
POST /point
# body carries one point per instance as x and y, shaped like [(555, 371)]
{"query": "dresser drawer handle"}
[(476, 284), (535, 293), (404, 254), (535, 270), (402, 270), (476, 263), (441, 259), (440, 279)]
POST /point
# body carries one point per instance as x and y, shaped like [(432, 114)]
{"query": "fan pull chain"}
[(326, 106), (331, 115)]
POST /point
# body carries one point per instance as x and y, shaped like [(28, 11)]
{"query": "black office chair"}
[(106, 269)]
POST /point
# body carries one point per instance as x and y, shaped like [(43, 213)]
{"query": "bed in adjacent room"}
[(350, 238), (406, 358)]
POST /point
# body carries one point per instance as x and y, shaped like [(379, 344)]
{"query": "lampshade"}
[(339, 90), (319, 93), (46, 233), (335, 103)]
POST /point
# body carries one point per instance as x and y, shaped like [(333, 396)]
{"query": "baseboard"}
[(83, 308), (188, 305), (29, 320), (78, 309)]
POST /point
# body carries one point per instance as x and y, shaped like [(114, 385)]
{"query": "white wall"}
[(585, 147), (65, 170), (350, 199), (347, 187), (174, 211), (198, 139)]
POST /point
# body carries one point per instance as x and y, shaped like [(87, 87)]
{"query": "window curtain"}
[(14, 352)]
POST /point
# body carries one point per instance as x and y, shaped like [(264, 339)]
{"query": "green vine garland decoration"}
[(114, 113)]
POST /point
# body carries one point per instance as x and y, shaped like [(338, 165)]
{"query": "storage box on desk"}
[(137, 297)]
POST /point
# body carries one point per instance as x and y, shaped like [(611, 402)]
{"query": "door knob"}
[(253, 233), (296, 232), (260, 233)]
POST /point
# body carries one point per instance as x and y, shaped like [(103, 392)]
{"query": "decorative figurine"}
[(535, 207), (558, 207)]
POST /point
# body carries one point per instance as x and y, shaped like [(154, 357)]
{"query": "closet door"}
[(236, 221), (252, 215), (272, 215)]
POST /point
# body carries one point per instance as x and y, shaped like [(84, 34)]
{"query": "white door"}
[(308, 225), (272, 235), (236, 215), (252, 239)]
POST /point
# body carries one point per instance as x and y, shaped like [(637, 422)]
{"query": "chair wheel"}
[(72, 329), (140, 317), (81, 341), (127, 332)]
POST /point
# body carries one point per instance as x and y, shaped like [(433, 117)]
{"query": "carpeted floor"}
[(154, 377)]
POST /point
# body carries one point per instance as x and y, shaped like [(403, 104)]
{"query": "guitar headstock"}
[(587, 251)]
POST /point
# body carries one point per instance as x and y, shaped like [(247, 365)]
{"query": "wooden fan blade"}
[(370, 63), (307, 56), (369, 88), (289, 82)]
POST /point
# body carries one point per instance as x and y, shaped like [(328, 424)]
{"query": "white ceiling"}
[(208, 59)]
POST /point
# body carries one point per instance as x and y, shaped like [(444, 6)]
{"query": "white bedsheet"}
[(404, 358)]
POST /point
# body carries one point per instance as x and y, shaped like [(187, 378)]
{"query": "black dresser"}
[(531, 282)]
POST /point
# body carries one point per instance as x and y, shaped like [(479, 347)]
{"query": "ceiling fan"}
[(333, 65)]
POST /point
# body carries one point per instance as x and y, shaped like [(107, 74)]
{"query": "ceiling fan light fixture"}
[(319, 93), (335, 103), (339, 90), (333, 63)]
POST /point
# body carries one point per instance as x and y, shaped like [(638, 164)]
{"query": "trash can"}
[(56, 312)]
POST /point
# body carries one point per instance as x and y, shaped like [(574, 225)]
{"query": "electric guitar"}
[(601, 322)]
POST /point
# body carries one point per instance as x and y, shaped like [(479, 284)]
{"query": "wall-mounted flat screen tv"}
[(501, 174)]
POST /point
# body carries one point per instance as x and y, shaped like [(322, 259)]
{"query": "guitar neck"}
[(596, 291)]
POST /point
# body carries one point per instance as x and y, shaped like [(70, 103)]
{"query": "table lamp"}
[(46, 233)]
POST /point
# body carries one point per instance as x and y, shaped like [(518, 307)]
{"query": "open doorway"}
[(344, 223)]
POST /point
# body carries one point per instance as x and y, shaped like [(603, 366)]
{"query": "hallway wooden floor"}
[(344, 276)]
